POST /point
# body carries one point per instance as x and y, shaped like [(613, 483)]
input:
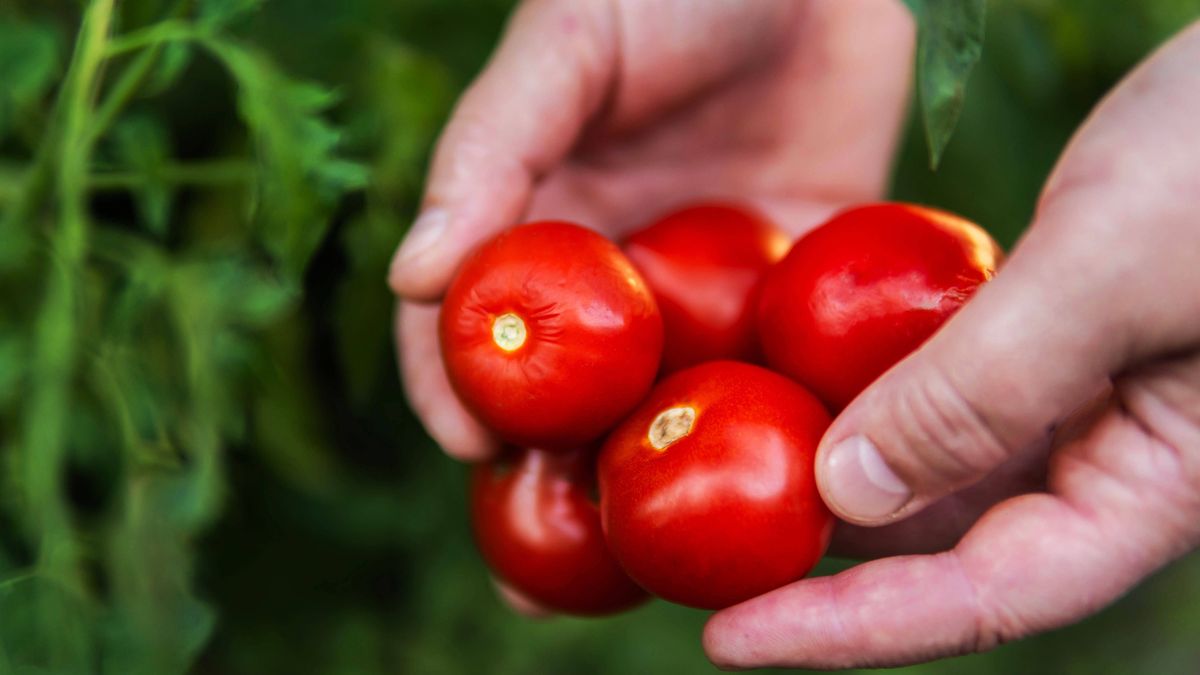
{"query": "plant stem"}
[(164, 31), (213, 172), (53, 361), (123, 90)]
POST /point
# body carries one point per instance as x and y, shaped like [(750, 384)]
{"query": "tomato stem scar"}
[(671, 425), (508, 332)]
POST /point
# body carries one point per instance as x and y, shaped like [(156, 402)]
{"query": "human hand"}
[(1100, 299), (608, 112)]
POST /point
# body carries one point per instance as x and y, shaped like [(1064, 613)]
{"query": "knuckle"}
[(939, 437), (993, 624)]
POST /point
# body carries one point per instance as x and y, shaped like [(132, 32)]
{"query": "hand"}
[(1100, 299), (609, 111)]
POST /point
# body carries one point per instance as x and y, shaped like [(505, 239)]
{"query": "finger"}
[(551, 71), (429, 392), (992, 383), (1051, 329), (939, 527), (1128, 505), (518, 603)]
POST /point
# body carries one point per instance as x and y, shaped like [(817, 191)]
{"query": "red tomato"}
[(704, 264), (862, 291), (549, 335), (539, 530), (707, 493)]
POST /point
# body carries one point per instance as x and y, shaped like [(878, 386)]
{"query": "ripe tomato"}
[(704, 264), (863, 290), (549, 335), (539, 530), (707, 493)]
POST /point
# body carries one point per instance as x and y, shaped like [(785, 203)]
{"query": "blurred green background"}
[(231, 481)]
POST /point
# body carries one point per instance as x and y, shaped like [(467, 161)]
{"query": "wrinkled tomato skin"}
[(862, 291), (728, 511), (538, 529), (593, 335), (705, 264)]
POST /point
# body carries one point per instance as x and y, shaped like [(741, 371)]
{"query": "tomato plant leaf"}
[(29, 62), (29, 603), (214, 13), (13, 353), (396, 128), (171, 63), (302, 174), (140, 143), (949, 44)]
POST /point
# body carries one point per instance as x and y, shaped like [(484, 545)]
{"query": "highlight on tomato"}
[(859, 293)]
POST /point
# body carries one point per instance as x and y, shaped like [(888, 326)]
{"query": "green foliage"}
[(949, 44), (206, 461), (301, 176), (29, 61)]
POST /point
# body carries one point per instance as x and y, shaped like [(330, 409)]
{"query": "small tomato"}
[(549, 335), (704, 264), (707, 492), (539, 530)]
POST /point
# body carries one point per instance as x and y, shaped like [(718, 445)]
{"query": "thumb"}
[(1102, 282), (1033, 345)]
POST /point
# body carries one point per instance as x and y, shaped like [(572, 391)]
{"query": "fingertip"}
[(723, 645), (759, 632), (857, 484), (428, 389), (420, 269), (458, 433), (519, 603)]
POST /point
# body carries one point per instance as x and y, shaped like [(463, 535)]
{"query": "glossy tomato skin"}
[(705, 264), (729, 510), (859, 293), (538, 529), (587, 335)]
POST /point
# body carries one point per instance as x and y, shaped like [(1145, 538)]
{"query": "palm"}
[(770, 127)]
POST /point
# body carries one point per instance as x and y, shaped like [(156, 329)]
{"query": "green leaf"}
[(13, 355), (219, 12), (158, 625), (288, 426), (949, 46), (141, 144), (29, 61), (363, 310), (303, 175), (406, 96), (35, 610), (174, 60)]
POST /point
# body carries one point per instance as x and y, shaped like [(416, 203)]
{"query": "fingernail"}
[(422, 237), (860, 484)]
